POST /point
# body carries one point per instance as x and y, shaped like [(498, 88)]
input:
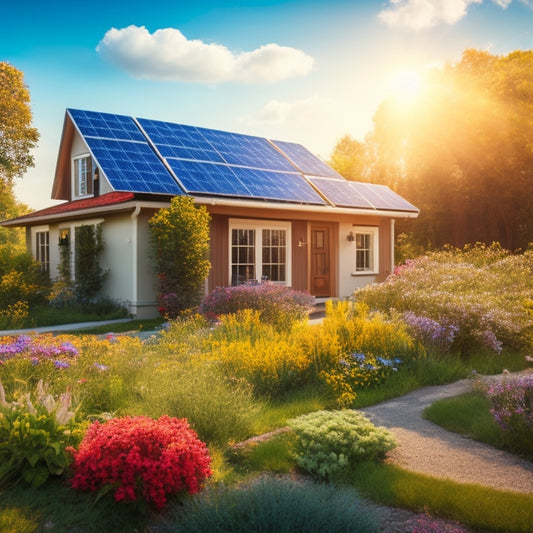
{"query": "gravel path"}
[(429, 449)]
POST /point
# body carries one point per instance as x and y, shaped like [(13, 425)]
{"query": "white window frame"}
[(373, 233), (72, 239), (44, 262), (82, 178), (258, 226)]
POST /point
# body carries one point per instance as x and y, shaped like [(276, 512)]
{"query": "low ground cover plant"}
[(140, 458), (328, 442), (35, 431), (274, 504)]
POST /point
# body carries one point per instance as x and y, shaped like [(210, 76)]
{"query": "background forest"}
[(460, 149)]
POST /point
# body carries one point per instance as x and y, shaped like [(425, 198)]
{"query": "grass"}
[(478, 507), (50, 316), (58, 508), (467, 414), (151, 324)]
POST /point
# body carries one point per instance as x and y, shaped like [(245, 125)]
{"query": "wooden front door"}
[(321, 261)]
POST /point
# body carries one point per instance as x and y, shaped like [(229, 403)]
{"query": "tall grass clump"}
[(460, 301), (220, 409), (278, 305), (273, 504)]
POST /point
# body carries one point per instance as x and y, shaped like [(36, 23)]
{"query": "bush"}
[(180, 243), (273, 504), (477, 295), (329, 441), (266, 358), (35, 432), (141, 458), (279, 305), (512, 407), (354, 349)]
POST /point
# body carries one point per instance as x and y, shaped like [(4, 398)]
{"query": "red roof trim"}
[(106, 200)]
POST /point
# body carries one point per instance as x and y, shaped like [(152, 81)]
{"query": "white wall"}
[(348, 282)]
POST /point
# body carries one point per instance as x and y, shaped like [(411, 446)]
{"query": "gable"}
[(148, 156)]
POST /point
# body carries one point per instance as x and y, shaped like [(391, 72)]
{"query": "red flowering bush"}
[(142, 458)]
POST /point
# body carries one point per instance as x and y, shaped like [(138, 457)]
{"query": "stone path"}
[(429, 449)]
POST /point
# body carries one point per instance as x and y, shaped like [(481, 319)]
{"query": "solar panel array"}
[(141, 155)]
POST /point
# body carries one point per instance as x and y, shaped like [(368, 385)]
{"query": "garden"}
[(240, 416)]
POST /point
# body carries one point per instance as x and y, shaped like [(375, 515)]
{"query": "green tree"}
[(180, 243), (17, 138)]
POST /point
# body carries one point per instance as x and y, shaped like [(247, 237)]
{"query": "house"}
[(278, 212)]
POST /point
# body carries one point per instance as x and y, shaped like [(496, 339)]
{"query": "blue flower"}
[(61, 364)]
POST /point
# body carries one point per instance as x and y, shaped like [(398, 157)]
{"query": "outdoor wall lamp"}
[(351, 236)]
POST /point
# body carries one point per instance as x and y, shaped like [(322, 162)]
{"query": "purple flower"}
[(61, 364)]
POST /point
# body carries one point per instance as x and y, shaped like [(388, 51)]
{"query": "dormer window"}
[(83, 176)]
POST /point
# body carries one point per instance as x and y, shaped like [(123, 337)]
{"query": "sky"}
[(306, 71)]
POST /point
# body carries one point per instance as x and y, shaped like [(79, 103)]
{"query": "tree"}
[(462, 151), (348, 158), (180, 243), (17, 137)]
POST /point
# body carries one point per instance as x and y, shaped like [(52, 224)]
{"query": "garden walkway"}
[(429, 449)]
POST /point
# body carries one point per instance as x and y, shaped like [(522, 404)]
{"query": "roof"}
[(106, 201), (149, 156)]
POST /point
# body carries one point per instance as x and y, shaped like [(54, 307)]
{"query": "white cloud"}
[(420, 14), (168, 55)]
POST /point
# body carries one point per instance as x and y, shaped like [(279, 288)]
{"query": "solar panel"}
[(382, 197), (340, 192), (278, 186), (132, 166), (302, 158), (246, 150), (181, 142), (106, 125), (123, 154), (207, 178)]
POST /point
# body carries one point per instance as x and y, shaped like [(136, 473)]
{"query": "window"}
[(42, 249), (259, 251), (83, 179), (366, 250)]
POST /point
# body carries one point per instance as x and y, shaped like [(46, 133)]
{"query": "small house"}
[(278, 212)]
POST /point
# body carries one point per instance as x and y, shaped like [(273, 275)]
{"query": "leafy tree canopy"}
[(17, 137), (462, 151)]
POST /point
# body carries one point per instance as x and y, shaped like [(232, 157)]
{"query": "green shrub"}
[(180, 243), (35, 431), (329, 441), (279, 305), (273, 504)]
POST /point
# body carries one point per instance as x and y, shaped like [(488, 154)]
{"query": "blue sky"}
[(306, 71)]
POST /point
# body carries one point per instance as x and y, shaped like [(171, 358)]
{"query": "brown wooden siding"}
[(218, 276), (300, 239)]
